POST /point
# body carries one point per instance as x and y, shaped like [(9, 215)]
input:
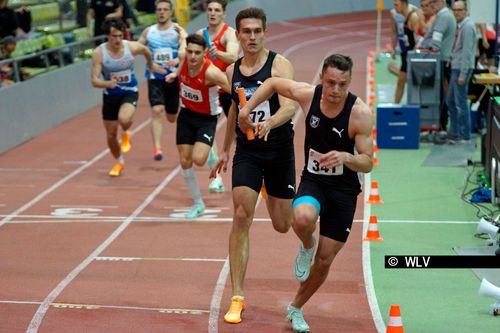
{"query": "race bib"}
[(191, 94), (314, 167), (261, 113), (122, 76), (162, 56)]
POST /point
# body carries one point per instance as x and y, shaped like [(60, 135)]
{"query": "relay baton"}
[(207, 40), (243, 102)]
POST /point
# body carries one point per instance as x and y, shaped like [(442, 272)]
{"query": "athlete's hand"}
[(173, 63), (333, 159), (262, 129), (213, 52), (112, 84), (158, 69), (244, 120), (170, 77), (220, 166)]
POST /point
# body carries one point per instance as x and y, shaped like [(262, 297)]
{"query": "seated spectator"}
[(7, 47)]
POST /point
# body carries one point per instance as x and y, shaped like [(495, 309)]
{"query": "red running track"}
[(83, 252)]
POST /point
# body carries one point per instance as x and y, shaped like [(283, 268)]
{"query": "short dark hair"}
[(165, 1), (196, 39), (223, 3), (338, 61), (118, 24), (251, 12)]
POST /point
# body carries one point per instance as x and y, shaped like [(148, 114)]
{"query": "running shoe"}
[(157, 154), (196, 211), (117, 169), (233, 315), (303, 262), (125, 144), (216, 185), (295, 316), (212, 158)]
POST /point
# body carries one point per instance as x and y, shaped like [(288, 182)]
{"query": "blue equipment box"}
[(398, 126)]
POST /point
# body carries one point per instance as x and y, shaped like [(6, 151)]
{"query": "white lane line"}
[(213, 318), (42, 309), (44, 306), (128, 259), (78, 306), (62, 181), (81, 206)]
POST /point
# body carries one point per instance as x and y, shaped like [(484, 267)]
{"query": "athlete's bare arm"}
[(96, 80), (232, 47), (360, 129), (300, 92), (230, 132), (138, 48), (214, 76), (142, 39), (181, 53), (281, 68)]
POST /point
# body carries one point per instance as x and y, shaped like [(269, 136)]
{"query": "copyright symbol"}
[(392, 261)]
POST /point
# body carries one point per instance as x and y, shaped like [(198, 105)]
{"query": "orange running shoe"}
[(263, 191), (233, 315), (117, 169), (125, 144), (157, 154)]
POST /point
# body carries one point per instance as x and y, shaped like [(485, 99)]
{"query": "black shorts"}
[(195, 127), (225, 101), (163, 93), (336, 208), (275, 168), (111, 104), (404, 63)]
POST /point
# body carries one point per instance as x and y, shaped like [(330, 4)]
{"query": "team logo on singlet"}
[(338, 132), (314, 122), (236, 85)]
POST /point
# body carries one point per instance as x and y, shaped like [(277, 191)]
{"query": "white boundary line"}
[(366, 254), (59, 183)]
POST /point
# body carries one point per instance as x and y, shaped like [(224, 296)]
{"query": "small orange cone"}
[(374, 197), (372, 234), (375, 158), (394, 324), (374, 134)]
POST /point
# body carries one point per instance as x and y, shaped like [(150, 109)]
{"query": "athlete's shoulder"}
[(282, 67)]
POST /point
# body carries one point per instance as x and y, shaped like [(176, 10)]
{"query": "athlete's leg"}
[(244, 201), (327, 250), (157, 116)]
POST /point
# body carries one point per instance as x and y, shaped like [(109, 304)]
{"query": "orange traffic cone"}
[(395, 324), (374, 197), (372, 233), (375, 158)]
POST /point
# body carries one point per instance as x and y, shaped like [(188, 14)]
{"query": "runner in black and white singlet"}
[(258, 160), (338, 145), (113, 70)]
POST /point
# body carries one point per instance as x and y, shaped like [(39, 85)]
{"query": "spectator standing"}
[(101, 10), (439, 38), (462, 64)]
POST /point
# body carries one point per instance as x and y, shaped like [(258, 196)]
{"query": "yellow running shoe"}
[(125, 144), (117, 169), (233, 315)]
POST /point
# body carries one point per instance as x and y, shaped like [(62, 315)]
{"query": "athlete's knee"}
[(186, 162), (303, 218), (199, 160), (157, 111), (242, 217)]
